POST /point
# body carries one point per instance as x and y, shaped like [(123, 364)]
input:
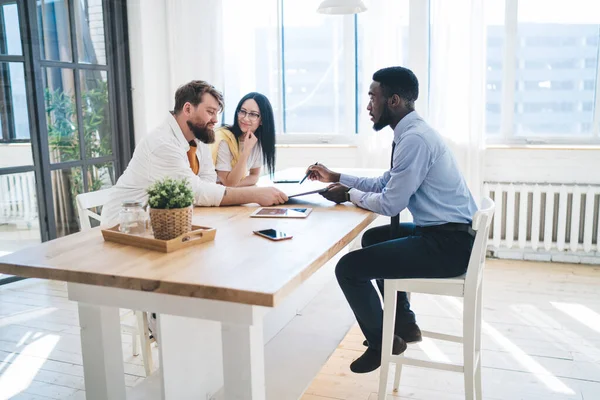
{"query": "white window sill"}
[(324, 140), (542, 147)]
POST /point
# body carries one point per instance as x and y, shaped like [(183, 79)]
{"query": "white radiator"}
[(545, 222), (18, 201)]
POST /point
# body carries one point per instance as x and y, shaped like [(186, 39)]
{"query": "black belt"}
[(450, 226)]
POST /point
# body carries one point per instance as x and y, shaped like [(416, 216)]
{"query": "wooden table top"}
[(237, 266)]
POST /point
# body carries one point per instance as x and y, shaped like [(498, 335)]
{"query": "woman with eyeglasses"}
[(241, 149)]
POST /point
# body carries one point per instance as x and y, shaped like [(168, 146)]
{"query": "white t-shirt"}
[(224, 157), (163, 153)]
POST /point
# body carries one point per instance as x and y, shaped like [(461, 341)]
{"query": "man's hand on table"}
[(337, 193)]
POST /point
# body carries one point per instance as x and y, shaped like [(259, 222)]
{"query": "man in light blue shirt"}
[(424, 177)]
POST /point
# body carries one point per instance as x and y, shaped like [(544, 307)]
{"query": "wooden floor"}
[(40, 348), (541, 341)]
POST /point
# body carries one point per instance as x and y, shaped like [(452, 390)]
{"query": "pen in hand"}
[(307, 174)]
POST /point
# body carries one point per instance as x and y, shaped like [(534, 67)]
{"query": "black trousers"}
[(415, 253)]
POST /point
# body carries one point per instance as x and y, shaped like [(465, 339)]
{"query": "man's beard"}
[(383, 121), (202, 133)]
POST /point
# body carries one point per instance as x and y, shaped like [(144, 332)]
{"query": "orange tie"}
[(194, 164)]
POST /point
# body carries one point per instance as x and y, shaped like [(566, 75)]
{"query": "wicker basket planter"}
[(170, 223)]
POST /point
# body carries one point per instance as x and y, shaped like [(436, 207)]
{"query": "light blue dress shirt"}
[(425, 178)]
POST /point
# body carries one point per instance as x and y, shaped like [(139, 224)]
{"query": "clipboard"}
[(322, 190)]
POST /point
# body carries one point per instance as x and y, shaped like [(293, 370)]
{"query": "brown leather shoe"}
[(411, 333)]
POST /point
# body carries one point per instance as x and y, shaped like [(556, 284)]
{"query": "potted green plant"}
[(171, 208)]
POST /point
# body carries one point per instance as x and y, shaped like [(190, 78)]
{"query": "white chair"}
[(85, 201), (468, 286)]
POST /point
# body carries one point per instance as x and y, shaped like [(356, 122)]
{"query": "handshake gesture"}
[(337, 192)]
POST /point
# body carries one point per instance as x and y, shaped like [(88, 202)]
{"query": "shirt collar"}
[(177, 132), (403, 125)]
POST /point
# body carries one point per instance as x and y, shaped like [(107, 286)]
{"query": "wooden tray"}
[(198, 234)]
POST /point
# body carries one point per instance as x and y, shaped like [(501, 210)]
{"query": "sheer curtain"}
[(194, 42), (382, 42), (457, 82)]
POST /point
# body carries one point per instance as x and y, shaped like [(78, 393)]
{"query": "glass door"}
[(75, 82), (19, 206)]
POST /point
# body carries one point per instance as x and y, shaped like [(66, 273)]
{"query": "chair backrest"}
[(481, 225), (85, 201)]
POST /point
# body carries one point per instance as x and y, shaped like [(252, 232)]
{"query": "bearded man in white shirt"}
[(179, 149)]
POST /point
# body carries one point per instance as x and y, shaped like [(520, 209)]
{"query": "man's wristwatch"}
[(347, 194)]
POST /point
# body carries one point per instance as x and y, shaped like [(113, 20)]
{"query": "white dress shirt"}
[(163, 153), (425, 179)]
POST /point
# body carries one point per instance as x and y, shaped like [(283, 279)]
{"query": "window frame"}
[(8, 133), (349, 90), (507, 135), (418, 47)]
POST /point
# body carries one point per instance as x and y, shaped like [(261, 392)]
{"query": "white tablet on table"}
[(280, 212)]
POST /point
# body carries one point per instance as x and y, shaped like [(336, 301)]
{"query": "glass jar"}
[(132, 218)]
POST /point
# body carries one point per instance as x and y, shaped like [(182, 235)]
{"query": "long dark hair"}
[(265, 132)]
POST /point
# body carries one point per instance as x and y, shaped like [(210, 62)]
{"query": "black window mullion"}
[(67, 64), (37, 117), (8, 126), (119, 82), (112, 104), (11, 58), (77, 80), (3, 47), (16, 170), (86, 162)]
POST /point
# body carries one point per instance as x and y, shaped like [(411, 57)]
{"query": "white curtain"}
[(195, 48), (383, 42), (457, 82), (171, 42)]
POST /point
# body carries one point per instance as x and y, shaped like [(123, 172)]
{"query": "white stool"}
[(469, 287)]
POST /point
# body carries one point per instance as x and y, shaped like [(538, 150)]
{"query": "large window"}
[(65, 125), (309, 65), (543, 72)]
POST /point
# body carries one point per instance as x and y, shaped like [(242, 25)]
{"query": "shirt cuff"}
[(348, 180), (211, 195), (356, 196)]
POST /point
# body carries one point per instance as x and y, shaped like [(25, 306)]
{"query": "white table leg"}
[(102, 352), (190, 357), (243, 361)]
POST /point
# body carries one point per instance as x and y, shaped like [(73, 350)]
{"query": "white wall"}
[(551, 165)]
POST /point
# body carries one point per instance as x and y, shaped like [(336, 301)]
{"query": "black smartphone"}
[(273, 234)]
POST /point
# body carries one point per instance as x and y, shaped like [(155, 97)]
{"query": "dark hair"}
[(192, 93), (265, 132), (398, 80)]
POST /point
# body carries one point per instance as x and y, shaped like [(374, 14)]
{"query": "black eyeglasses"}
[(252, 116)]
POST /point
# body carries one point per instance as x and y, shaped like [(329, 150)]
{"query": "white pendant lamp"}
[(341, 7)]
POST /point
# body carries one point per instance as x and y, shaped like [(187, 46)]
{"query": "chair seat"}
[(441, 286)]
